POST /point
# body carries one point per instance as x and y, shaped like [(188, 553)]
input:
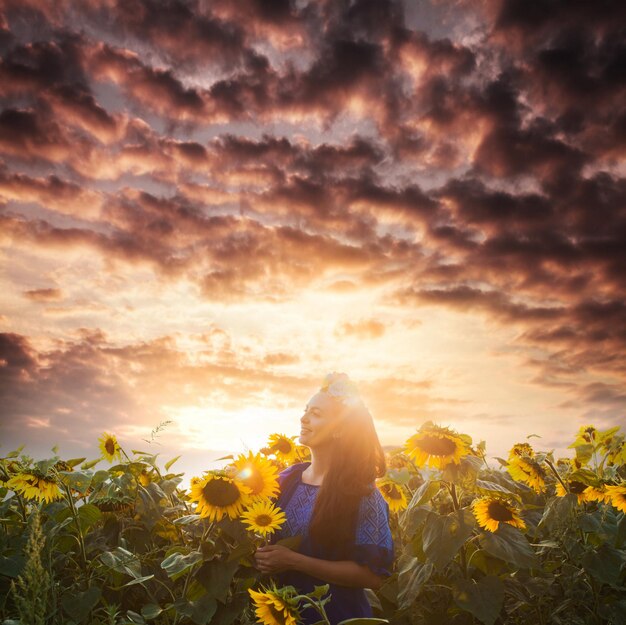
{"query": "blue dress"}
[(373, 545)]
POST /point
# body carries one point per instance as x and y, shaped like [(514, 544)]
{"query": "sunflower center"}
[(109, 445), (576, 487), (279, 615), (220, 493), (391, 491), (263, 519), (435, 446), (282, 446), (499, 512)]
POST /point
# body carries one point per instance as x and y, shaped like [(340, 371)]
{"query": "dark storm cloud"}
[(482, 171)]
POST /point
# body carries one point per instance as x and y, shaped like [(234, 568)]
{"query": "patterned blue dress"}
[(373, 545)]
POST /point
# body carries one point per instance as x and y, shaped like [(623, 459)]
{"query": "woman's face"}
[(319, 421)]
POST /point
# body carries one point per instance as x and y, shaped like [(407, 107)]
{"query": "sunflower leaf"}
[(509, 544), (169, 463), (443, 536), (411, 579), (482, 598), (176, 564)]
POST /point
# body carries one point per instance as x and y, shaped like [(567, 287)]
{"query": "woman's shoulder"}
[(293, 469), (373, 501)]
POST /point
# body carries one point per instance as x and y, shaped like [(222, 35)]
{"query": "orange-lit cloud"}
[(204, 206)]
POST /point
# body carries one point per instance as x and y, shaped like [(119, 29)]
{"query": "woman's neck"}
[(320, 463)]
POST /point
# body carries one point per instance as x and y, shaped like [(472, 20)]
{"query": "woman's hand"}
[(275, 558)]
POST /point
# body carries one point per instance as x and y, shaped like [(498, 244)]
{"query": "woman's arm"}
[(275, 558)]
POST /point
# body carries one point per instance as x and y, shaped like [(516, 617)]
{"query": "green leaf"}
[(319, 591), (411, 578), (169, 486), (151, 610), (604, 564), (12, 566), (584, 452), (502, 461), (487, 487), (78, 605), (134, 617), (482, 598), (169, 463), (187, 519), (199, 611), (139, 580), (88, 515), (78, 480), (15, 453), (400, 476), (177, 563), (216, 577), (510, 545), (424, 493), (122, 561), (443, 535), (74, 461), (90, 464)]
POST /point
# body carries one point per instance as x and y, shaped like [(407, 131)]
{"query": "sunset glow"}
[(206, 207)]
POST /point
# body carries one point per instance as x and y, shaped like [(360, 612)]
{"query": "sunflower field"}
[(117, 540)]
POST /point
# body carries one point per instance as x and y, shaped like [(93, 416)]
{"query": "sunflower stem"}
[(556, 474), (457, 508), (315, 604), (81, 541)]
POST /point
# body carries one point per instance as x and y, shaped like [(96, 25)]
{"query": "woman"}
[(332, 503)]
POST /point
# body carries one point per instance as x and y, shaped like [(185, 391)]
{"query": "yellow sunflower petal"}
[(258, 474), (263, 517), (393, 494), (284, 448), (436, 446), (491, 511), (617, 494), (218, 495), (110, 447)]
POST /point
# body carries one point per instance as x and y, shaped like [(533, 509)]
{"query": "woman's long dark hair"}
[(357, 459)]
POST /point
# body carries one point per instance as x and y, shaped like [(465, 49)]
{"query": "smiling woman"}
[(333, 508)]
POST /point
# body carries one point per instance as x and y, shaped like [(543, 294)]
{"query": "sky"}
[(207, 206)]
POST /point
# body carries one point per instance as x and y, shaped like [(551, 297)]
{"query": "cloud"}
[(248, 154), (44, 295), (364, 329)]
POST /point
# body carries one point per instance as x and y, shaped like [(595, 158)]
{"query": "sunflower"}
[(218, 494), (521, 449), (272, 609), (145, 477), (592, 493), (617, 494), (491, 511), (110, 447), (393, 493), (283, 447), (586, 434), (263, 517), (437, 446), (575, 488), (617, 455), (33, 486), (258, 474), (528, 471), (303, 453)]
